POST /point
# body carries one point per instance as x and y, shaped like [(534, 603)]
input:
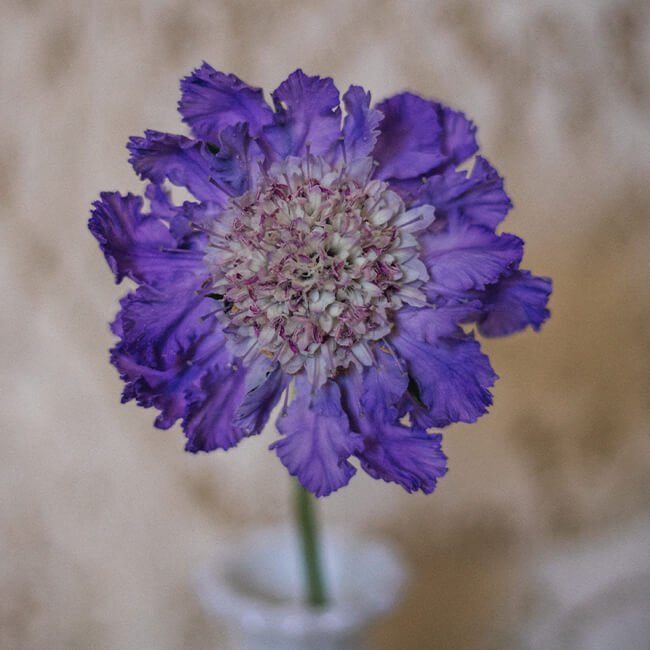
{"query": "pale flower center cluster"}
[(311, 265)]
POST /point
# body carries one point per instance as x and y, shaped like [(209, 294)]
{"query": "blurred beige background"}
[(537, 532)]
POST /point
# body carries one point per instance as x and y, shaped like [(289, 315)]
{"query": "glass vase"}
[(256, 588)]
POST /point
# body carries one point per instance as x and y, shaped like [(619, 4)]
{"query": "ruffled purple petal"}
[(418, 138), (158, 323), (209, 421), (184, 162), (410, 141), (182, 219), (235, 168), (165, 389), (467, 257), (136, 245), (514, 303), (360, 126), (459, 135), (192, 221), (433, 324), (161, 203), (149, 387), (265, 383), (317, 439), (211, 101), (411, 458), (308, 117), (391, 451), (229, 168), (169, 338), (478, 199), (382, 385), (451, 373)]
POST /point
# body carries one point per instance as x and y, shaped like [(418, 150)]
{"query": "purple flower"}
[(332, 264)]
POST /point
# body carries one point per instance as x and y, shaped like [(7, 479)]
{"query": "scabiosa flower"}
[(333, 264)]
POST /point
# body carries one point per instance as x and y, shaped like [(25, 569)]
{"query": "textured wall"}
[(103, 518)]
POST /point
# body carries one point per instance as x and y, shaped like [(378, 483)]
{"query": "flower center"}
[(311, 265)]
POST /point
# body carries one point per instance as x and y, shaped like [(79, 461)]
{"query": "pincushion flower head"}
[(333, 260)]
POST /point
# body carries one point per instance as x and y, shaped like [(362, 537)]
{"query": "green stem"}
[(308, 532)]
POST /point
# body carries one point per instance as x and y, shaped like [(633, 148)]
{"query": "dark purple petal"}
[(265, 383), (211, 101), (459, 135), (452, 376), (419, 137), (514, 303), (360, 126), (190, 215), (169, 338), (184, 162), (317, 439), (151, 388), (433, 324), (478, 199), (160, 202), (183, 218), (411, 458), (157, 323), (382, 386), (135, 245), (307, 116), (235, 167), (410, 141), (468, 257), (209, 419), (391, 451), (166, 389)]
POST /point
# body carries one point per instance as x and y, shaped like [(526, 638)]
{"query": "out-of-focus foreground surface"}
[(535, 538)]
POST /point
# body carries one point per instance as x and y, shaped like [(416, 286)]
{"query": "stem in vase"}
[(310, 546)]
